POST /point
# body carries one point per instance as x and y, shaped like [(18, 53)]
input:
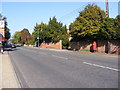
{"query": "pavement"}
[(8, 78)]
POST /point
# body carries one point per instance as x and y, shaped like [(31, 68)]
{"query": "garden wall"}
[(102, 46), (57, 45)]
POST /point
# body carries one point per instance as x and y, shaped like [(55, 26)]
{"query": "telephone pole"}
[(107, 9), (107, 15)]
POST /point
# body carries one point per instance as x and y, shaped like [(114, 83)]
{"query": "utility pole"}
[(107, 9), (107, 15)]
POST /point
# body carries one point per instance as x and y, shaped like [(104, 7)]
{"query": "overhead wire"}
[(72, 13)]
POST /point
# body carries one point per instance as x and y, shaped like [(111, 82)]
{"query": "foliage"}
[(57, 30), (117, 24), (26, 36), (92, 24), (16, 39), (107, 30), (40, 32), (7, 33), (7, 30), (53, 32), (22, 37)]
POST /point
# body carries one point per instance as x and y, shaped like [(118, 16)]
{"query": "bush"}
[(65, 44)]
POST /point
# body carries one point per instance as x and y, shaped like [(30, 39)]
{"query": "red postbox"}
[(94, 46)]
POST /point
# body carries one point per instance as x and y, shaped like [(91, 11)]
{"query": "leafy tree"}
[(7, 30), (16, 39), (117, 24), (40, 32), (107, 30), (54, 29), (88, 24), (58, 32), (26, 36), (53, 32), (7, 33)]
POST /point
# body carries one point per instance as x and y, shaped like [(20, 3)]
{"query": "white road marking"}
[(60, 57), (101, 66)]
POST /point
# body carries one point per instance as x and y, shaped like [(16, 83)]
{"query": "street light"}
[(38, 38)]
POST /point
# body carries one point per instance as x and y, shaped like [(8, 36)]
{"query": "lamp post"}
[(38, 38)]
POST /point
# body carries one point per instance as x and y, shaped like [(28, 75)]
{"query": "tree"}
[(54, 29), (16, 39), (53, 32), (26, 36), (40, 32), (117, 24), (7, 30), (7, 33), (107, 30), (88, 24), (57, 30)]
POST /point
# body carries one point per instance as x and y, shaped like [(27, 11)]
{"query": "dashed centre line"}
[(60, 57), (96, 65)]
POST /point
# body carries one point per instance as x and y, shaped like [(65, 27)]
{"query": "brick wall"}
[(57, 45), (115, 46), (102, 46)]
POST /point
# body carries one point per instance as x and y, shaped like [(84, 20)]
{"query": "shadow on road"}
[(10, 49)]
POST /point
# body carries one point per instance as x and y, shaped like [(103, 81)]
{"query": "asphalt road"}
[(44, 68)]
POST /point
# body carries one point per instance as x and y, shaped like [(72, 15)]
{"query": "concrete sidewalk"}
[(8, 77)]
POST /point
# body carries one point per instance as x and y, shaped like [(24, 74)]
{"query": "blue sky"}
[(22, 15)]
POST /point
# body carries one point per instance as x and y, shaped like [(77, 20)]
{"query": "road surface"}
[(44, 68)]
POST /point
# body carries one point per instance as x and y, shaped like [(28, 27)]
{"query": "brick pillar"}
[(60, 44)]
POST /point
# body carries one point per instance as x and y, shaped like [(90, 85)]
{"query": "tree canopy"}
[(40, 32), (117, 24), (92, 24), (22, 37), (7, 30), (25, 36), (16, 39), (54, 31)]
